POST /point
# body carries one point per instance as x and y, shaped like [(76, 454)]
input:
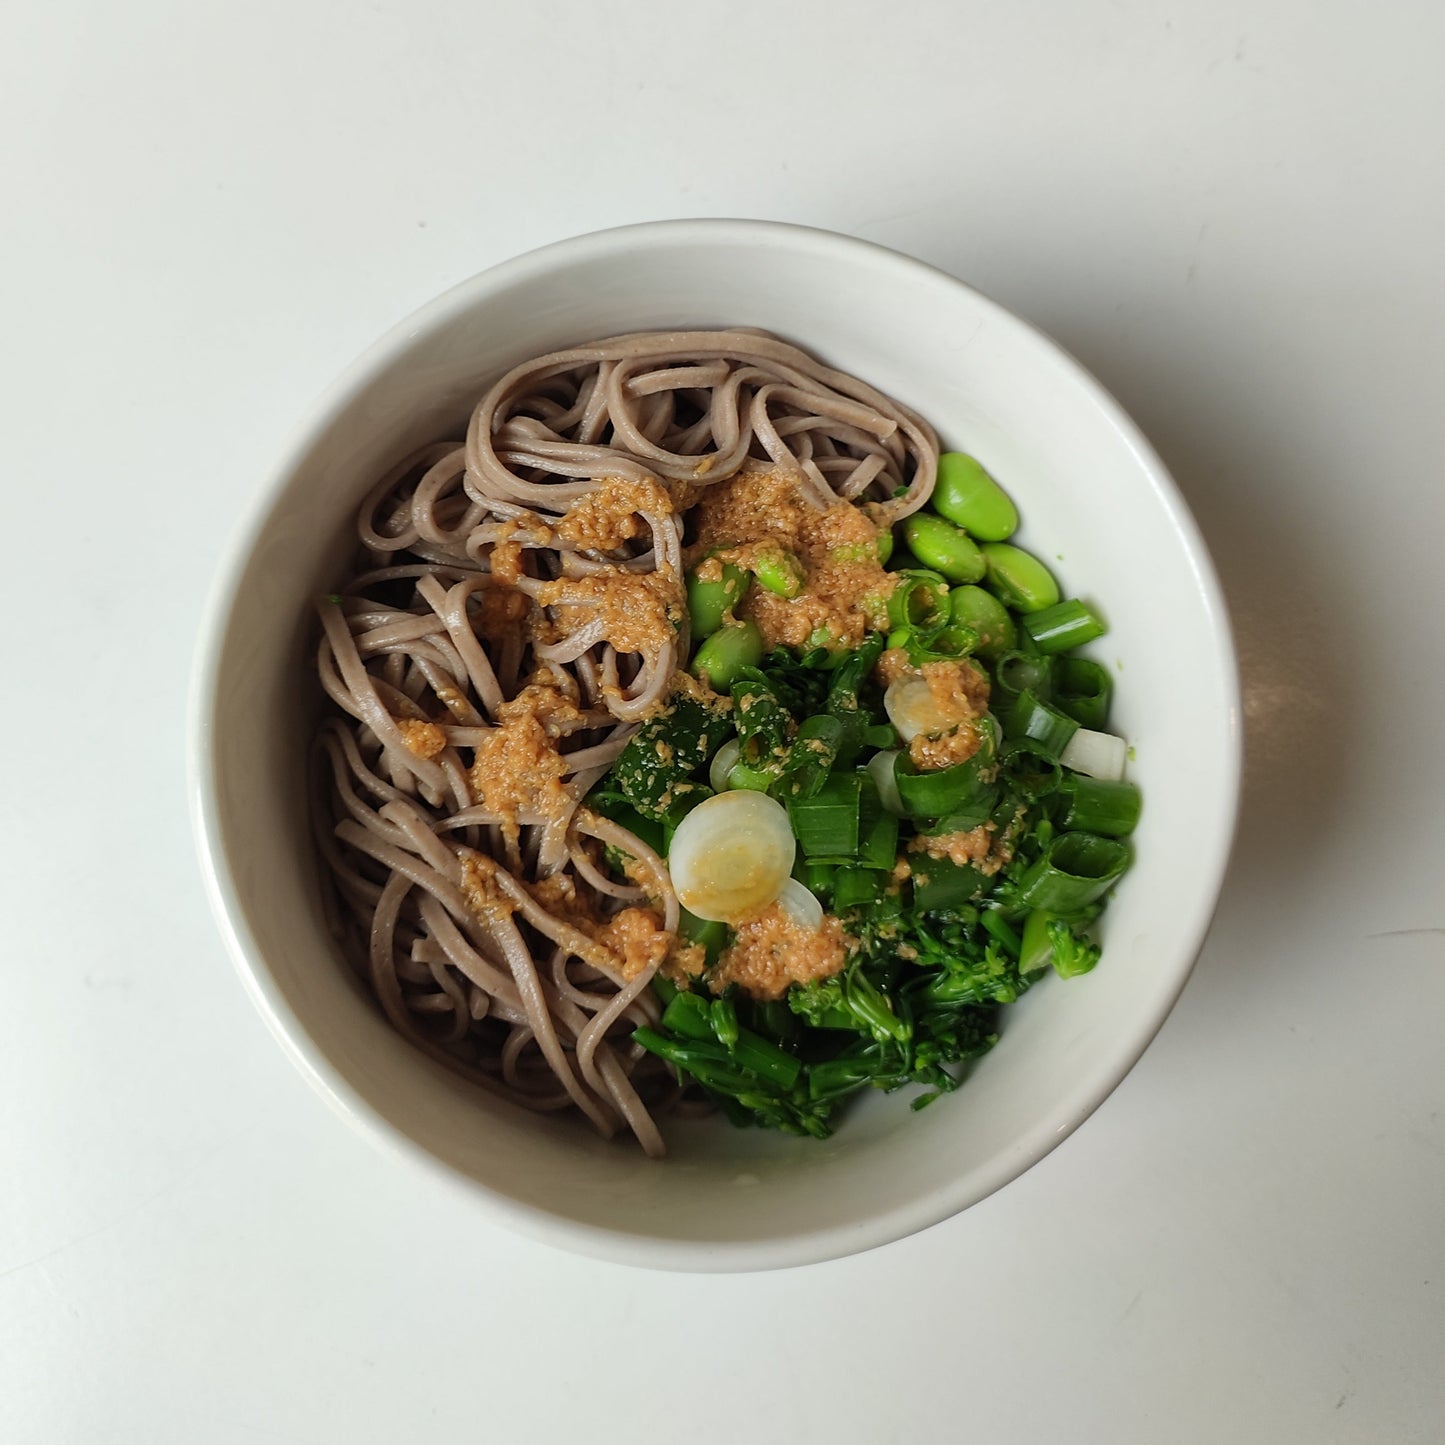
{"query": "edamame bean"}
[(723, 656), (943, 547), (885, 545), (710, 599), (982, 611), (970, 498), (780, 572), (1018, 578)]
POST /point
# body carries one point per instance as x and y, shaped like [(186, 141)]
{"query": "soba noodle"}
[(469, 923)]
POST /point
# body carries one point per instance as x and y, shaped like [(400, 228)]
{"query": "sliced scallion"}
[(1101, 805), (1030, 717), (826, 824), (1074, 870), (1066, 624), (1083, 689)]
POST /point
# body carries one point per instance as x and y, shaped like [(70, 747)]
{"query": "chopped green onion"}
[(826, 824), (1028, 770), (920, 599), (1083, 689), (1036, 720), (811, 757), (878, 846), (1017, 672), (1101, 805), (816, 874), (742, 778), (964, 786), (939, 644), (856, 888), (942, 883), (1064, 625), (1074, 870)]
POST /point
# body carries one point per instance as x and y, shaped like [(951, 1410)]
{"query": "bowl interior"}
[(1095, 503)]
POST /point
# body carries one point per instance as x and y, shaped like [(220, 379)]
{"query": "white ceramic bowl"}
[(1092, 494)]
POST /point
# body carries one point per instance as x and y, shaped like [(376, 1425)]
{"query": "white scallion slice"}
[(801, 905), (914, 711), (880, 769), (731, 856), (723, 762), (1097, 755)]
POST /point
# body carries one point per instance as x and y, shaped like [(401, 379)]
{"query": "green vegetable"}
[(1049, 940), (937, 644), (1098, 805), (971, 499), (945, 549), (712, 936), (764, 726), (1073, 871), (920, 599), (811, 756), (855, 887), (935, 948), (1018, 578), (827, 823), (1083, 689), (975, 608), (1028, 717), (723, 1017), (780, 572), (1016, 673), (723, 656), (1066, 624), (653, 773), (709, 602), (942, 883), (964, 786)]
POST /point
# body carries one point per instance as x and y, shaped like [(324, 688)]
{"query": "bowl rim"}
[(291, 1033)]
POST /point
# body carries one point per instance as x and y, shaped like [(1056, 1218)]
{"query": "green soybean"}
[(780, 572), (943, 547), (970, 498), (974, 607), (885, 545), (1018, 578), (710, 600), (723, 656)]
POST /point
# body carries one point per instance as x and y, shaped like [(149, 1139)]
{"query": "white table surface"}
[(1233, 211)]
